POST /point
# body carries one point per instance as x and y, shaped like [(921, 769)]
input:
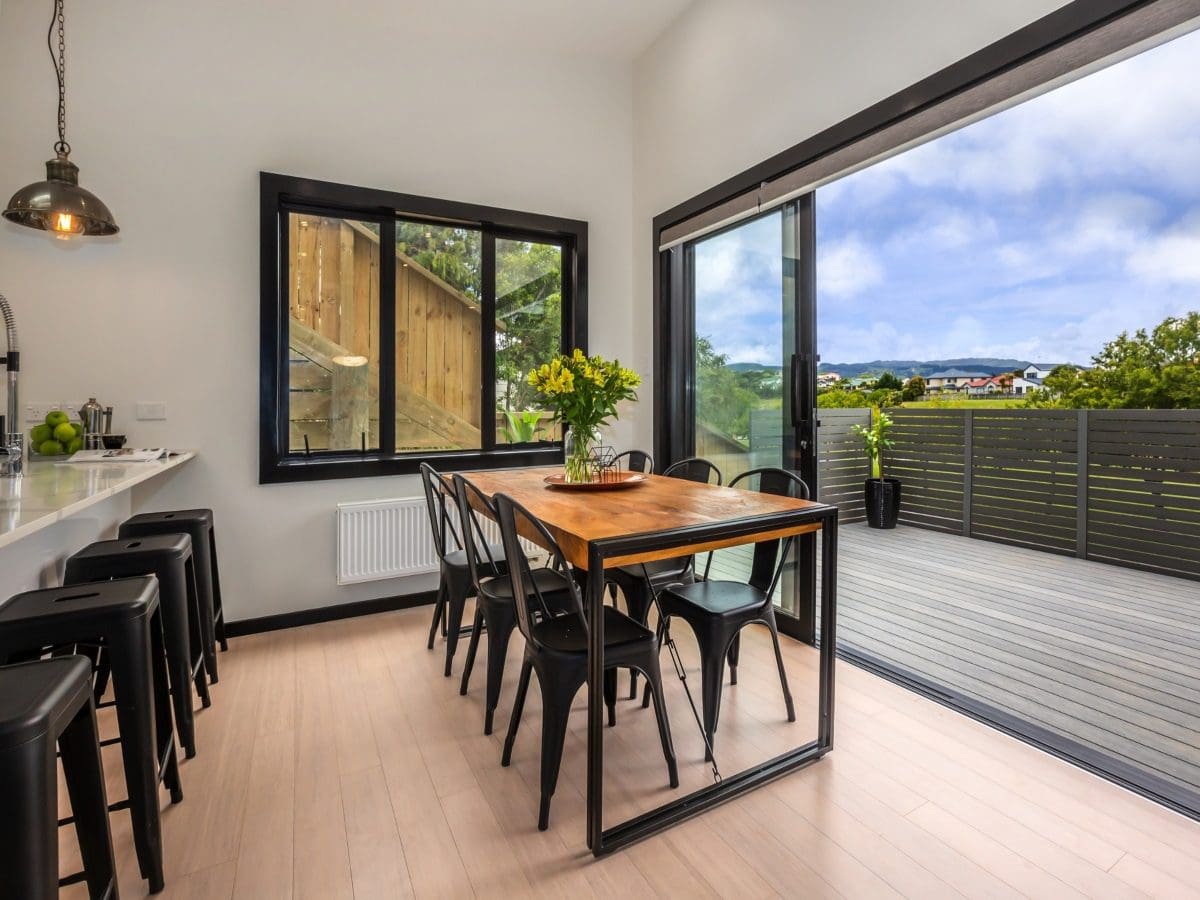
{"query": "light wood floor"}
[(337, 762)]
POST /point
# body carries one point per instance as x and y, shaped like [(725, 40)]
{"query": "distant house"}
[(951, 380), (1023, 384), (1041, 370), (991, 384), (825, 379)]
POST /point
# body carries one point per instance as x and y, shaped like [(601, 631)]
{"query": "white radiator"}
[(378, 539)]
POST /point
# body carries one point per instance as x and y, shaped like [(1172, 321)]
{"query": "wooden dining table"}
[(662, 518)]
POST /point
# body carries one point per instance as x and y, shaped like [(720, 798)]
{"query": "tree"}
[(840, 398), (1156, 370), (723, 402), (914, 388), (888, 382)]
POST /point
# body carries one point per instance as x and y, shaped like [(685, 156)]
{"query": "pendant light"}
[(59, 204)]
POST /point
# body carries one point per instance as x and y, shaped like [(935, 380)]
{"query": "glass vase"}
[(578, 456)]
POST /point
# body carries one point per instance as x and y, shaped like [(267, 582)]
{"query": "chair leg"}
[(439, 610), (164, 734), (218, 606), (712, 673), (472, 648), (556, 708), (610, 695), (196, 639), (80, 748), (735, 649), (499, 630), (783, 682), (637, 601), (518, 708), (654, 684), (458, 589)]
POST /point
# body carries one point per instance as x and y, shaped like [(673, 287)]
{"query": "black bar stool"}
[(42, 704), (125, 619), (198, 524), (168, 556)]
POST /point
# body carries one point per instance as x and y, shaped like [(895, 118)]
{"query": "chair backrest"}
[(437, 493), (768, 565), (468, 498), (635, 461), (695, 468), (516, 521)]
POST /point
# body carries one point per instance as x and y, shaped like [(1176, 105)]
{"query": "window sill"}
[(325, 467)]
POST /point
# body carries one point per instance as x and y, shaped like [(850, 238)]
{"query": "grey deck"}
[(1106, 656)]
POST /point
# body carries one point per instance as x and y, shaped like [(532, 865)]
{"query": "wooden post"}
[(349, 408), (1081, 486), (968, 465)]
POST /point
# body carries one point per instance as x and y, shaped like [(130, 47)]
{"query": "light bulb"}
[(64, 224)]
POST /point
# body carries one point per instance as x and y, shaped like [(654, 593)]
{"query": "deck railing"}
[(1118, 486)]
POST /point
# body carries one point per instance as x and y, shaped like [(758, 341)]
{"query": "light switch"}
[(148, 411)]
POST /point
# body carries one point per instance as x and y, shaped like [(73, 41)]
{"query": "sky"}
[(1038, 234)]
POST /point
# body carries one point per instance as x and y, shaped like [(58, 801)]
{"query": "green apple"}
[(75, 446), (64, 433), (39, 433), (77, 427), (50, 448), (56, 417)]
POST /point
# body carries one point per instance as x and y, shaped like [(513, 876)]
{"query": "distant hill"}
[(753, 367), (906, 368)]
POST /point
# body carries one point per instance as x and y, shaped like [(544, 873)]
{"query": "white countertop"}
[(50, 491)]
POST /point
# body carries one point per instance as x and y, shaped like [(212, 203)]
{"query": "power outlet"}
[(72, 407), (151, 411), (35, 413)]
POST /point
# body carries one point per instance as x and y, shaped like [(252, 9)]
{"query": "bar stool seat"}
[(42, 704), (198, 524), (169, 557), (125, 619)]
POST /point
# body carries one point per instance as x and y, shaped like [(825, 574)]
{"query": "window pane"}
[(333, 333), (437, 337), (528, 333)]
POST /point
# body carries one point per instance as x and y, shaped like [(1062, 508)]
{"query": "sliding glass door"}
[(745, 397)]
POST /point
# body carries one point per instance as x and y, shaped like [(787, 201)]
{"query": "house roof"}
[(957, 373), (1046, 367)]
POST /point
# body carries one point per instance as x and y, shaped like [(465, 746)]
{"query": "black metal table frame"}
[(601, 841)]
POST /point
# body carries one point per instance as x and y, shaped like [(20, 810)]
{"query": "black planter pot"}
[(882, 496)]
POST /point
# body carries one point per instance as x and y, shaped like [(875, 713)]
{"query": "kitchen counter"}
[(51, 491)]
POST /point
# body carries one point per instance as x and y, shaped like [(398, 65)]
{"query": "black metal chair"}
[(717, 611), (43, 703), (454, 585), (556, 647), (635, 461), (632, 580), (494, 607)]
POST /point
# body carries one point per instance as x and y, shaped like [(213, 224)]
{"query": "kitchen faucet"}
[(12, 453)]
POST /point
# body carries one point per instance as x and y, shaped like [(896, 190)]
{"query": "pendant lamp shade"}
[(60, 205)]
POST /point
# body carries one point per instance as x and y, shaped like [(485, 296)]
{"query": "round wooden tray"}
[(610, 483)]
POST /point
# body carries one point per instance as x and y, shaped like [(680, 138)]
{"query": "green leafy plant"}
[(522, 427), (876, 438)]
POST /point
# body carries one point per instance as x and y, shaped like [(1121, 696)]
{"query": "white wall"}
[(173, 109), (733, 82)]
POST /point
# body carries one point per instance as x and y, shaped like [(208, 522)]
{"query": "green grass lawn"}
[(963, 403)]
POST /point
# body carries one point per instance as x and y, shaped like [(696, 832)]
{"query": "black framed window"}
[(398, 329)]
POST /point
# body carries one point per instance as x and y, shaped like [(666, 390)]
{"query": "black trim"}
[(1089, 758), (302, 617), (283, 193), (1056, 29)]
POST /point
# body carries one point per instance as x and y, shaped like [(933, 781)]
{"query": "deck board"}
[(1106, 656)]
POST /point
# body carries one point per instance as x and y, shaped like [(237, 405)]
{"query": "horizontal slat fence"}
[(1025, 476), (928, 458), (1015, 476), (1143, 489), (841, 464)]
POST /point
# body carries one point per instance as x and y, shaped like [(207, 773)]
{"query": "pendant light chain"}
[(60, 69)]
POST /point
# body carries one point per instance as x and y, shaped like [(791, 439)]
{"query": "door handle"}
[(799, 389)]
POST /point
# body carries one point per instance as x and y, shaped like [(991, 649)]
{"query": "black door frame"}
[(675, 432)]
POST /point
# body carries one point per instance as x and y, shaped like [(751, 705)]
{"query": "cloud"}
[(847, 267), (1170, 257)]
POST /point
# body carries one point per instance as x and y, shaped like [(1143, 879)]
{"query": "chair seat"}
[(458, 558), (567, 634), (40, 697), (719, 598), (547, 581), (661, 571)]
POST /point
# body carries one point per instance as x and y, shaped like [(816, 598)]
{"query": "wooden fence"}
[(1118, 486), (841, 463)]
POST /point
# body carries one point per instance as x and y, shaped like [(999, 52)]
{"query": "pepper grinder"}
[(90, 414)]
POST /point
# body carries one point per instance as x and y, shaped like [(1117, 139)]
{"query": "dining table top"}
[(579, 517)]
